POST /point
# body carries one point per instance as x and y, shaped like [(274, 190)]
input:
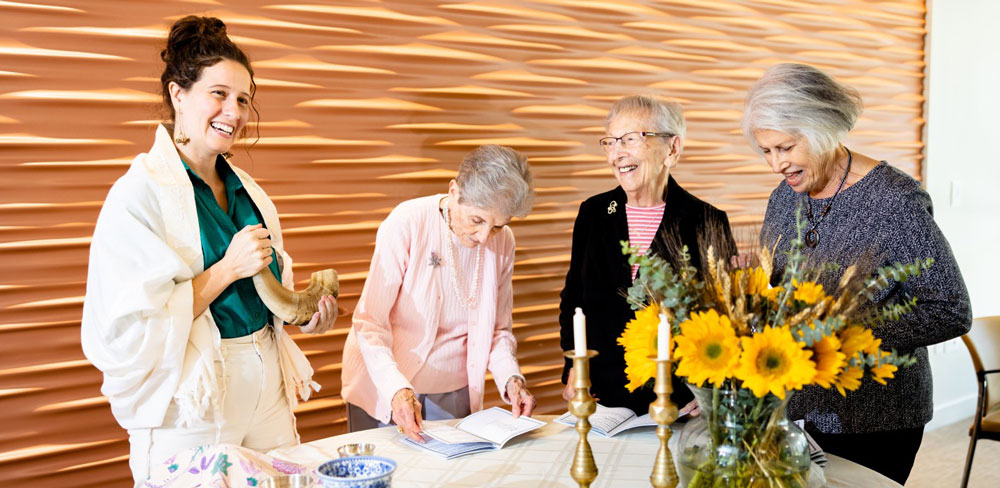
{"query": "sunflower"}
[(707, 348), (757, 283), (773, 361), (848, 379), (883, 371), (772, 293), (857, 339), (808, 292), (639, 341), (829, 360)]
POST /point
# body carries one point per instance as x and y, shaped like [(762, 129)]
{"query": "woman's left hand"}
[(522, 402), (324, 318)]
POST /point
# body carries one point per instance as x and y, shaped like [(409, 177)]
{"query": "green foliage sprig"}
[(896, 272), (657, 282), (793, 270)]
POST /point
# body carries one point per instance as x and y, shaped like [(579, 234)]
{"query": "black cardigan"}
[(599, 275)]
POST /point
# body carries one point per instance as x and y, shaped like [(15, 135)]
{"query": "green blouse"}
[(237, 311)]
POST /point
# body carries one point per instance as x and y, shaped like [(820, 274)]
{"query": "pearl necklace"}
[(467, 302)]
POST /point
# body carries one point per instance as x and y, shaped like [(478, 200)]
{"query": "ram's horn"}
[(293, 307)]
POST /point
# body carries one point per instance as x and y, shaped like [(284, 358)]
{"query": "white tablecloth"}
[(538, 459)]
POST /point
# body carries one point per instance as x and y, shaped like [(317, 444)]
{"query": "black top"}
[(889, 217), (599, 275)]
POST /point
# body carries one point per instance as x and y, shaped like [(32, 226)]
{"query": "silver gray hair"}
[(496, 178), (665, 116), (801, 101)]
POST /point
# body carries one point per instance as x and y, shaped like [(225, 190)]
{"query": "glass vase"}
[(742, 441)]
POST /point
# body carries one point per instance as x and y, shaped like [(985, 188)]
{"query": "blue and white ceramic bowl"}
[(357, 472)]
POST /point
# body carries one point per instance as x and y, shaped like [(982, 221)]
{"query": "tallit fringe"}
[(196, 398)]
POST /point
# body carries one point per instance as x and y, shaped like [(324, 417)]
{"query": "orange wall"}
[(365, 104)]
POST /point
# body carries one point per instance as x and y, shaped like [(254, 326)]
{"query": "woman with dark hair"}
[(190, 354), (797, 117)]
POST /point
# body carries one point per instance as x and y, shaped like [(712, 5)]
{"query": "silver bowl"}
[(289, 481), (356, 449)]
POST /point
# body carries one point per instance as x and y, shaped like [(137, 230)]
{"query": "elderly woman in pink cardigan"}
[(435, 312)]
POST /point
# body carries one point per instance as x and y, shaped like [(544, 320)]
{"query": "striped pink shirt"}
[(444, 368), (642, 225)]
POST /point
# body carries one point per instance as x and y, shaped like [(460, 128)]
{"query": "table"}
[(540, 459)]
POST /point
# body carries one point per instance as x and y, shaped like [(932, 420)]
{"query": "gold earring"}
[(181, 138)]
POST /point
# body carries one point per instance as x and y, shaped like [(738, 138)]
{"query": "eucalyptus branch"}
[(889, 313), (793, 268), (896, 272)]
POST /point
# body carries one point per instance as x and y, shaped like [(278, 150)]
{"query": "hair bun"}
[(193, 44), (192, 35)]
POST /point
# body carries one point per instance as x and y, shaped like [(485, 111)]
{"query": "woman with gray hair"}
[(855, 208), (435, 311), (643, 139)]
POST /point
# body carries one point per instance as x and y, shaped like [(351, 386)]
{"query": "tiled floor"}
[(942, 456)]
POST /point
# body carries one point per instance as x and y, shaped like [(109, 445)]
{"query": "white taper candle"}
[(663, 339), (579, 333)]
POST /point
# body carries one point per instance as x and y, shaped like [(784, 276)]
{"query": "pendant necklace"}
[(812, 235), (467, 302)]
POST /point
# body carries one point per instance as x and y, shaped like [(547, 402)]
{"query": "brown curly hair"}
[(193, 44)]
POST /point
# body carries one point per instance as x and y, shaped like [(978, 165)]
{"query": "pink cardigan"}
[(397, 316)]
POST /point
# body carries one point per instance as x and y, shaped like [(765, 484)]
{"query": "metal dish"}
[(356, 449), (289, 481)]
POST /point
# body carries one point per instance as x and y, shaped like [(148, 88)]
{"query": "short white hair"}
[(804, 102), (665, 116), (496, 178)]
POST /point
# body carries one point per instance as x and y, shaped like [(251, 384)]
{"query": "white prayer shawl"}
[(138, 326)]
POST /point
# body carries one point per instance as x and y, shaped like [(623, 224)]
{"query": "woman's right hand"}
[(744, 260), (569, 391), (406, 413), (249, 251)]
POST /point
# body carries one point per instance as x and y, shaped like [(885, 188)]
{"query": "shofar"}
[(293, 307)]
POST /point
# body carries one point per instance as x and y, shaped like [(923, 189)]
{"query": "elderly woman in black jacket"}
[(643, 141)]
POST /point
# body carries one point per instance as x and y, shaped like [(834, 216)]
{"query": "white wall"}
[(962, 172)]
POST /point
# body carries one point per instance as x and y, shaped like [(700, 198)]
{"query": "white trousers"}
[(255, 412)]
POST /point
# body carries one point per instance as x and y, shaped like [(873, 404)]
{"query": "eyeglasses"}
[(630, 139)]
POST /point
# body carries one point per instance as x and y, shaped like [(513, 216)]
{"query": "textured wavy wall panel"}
[(365, 104)]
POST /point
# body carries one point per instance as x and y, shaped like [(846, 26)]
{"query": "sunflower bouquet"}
[(744, 346)]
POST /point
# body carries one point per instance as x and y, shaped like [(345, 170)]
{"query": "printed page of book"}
[(604, 420), (450, 435), (498, 425), (633, 423), (450, 451)]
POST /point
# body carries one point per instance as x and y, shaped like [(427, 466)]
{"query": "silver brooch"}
[(613, 207), (434, 260)]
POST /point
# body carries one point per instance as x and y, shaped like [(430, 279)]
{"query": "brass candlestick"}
[(584, 470), (664, 413)]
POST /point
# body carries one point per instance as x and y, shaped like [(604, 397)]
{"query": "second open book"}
[(485, 430), (608, 421)]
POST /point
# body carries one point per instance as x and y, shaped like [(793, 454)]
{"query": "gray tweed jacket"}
[(886, 215)]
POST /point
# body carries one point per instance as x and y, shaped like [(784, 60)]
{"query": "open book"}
[(816, 453), (485, 430), (609, 421)]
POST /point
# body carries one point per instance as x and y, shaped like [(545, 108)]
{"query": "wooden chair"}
[(983, 342)]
